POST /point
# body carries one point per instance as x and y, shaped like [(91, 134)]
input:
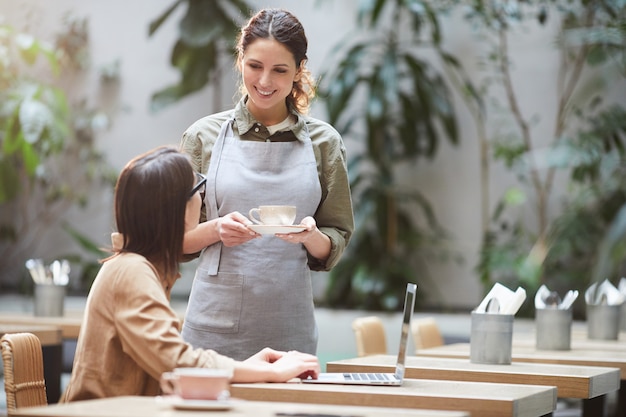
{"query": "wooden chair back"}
[(24, 382), (370, 336), (426, 333)]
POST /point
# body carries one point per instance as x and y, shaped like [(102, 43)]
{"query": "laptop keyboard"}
[(357, 376)]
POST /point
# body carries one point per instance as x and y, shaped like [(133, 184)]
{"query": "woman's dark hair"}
[(285, 28), (150, 203)]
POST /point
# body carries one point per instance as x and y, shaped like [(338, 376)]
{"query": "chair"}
[(426, 333), (370, 336), (24, 382)]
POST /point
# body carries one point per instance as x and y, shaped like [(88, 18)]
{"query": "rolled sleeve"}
[(334, 216)]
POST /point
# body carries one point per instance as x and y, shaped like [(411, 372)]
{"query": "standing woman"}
[(252, 291)]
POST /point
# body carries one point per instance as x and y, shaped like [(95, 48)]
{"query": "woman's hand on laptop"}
[(271, 365)]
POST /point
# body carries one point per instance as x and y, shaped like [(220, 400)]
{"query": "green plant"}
[(612, 251), (207, 33), (383, 91), (586, 147), (49, 161)]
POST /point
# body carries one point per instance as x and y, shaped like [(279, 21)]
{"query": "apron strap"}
[(213, 253)]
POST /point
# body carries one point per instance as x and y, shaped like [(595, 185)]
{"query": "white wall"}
[(119, 30)]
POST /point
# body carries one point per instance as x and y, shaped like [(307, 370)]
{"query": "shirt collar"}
[(244, 120)]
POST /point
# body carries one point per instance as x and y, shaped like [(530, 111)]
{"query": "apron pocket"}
[(215, 302)]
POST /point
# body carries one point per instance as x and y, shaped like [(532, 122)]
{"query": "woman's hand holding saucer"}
[(232, 229), (300, 237)]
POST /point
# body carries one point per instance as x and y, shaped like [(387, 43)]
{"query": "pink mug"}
[(197, 383)]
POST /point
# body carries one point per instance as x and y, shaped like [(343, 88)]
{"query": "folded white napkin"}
[(501, 300), (544, 298), (605, 293)]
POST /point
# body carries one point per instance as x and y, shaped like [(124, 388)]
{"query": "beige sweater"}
[(130, 335)]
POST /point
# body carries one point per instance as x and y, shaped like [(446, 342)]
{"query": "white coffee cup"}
[(273, 215), (197, 383)]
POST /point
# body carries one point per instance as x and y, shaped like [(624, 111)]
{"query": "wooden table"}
[(579, 341), (571, 382), (69, 323), (52, 351), (47, 335), (479, 398), (528, 353), (152, 407), (520, 353)]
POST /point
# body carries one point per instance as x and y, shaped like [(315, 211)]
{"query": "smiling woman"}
[(269, 73), (265, 151)]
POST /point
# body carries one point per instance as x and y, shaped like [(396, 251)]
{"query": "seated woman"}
[(130, 335)]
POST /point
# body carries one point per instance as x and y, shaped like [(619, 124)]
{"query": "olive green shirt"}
[(334, 215)]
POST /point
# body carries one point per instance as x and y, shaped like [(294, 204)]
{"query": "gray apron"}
[(258, 294)]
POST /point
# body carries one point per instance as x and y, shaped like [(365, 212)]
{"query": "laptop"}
[(366, 378)]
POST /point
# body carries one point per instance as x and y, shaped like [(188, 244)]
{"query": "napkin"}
[(544, 298), (57, 273), (604, 293), (622, 286), (501, 300)]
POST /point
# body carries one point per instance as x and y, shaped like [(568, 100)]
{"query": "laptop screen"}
[(409, 306)]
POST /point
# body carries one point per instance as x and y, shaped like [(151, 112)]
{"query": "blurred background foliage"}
[(379, 89), (390, 86), (547, 229), (49, 161), (403, 111), (207, 33)]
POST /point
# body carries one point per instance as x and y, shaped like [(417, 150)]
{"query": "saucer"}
[(183, 404), (267, 229)]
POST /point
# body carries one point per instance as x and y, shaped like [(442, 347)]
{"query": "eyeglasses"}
[(200, 185)]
